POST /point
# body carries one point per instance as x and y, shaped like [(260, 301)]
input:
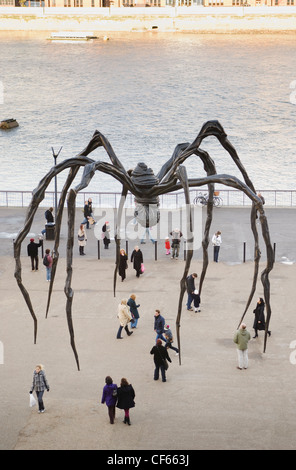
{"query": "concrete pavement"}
[(206, 402)]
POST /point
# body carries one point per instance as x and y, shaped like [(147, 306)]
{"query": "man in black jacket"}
[(32, 250), (160, 357), (190, 283), (49, 218)]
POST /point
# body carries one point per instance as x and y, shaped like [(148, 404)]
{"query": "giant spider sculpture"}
[(146, 188)]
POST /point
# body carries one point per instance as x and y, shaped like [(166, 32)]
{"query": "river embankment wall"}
[(168, 19)]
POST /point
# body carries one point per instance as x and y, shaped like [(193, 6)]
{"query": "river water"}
[(148, 92)]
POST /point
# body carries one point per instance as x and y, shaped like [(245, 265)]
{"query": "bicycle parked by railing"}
[(204, 198)]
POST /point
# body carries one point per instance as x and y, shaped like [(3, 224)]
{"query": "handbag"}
[(32, 400), (142, 267), (165, 364), (114, 393), (81, 238)]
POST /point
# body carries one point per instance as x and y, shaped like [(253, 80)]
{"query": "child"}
[(169, 339), (167, 246)]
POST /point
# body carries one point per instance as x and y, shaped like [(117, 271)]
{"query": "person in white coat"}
[(216, 241), (125, 317)]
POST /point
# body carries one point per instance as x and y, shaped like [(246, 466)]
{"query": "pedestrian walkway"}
[(234, 223)]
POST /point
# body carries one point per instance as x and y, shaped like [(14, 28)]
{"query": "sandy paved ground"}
[(206, 402)]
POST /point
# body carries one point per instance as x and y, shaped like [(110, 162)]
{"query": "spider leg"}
[(37, 196), (99, 140), (88, 173), (234, 182), (182, 175), (179, 149), (73, 172), (117, 235), (68, 289)]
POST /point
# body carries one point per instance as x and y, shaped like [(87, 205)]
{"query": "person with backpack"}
[(47, 261)]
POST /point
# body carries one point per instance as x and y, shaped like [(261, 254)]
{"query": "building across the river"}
[(144, 3)]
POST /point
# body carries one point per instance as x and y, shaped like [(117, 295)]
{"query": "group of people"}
[(127, 312), (122, 397), (32, 251), (136, 259), (242, 335)]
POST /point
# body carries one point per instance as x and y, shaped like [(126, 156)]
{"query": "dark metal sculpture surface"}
[(146, 188)]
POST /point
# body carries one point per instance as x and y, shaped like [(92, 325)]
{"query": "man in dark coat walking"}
[(159, 323), (160, 357), (137, 260), (32, 250)]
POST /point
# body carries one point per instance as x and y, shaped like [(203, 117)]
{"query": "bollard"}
[(155, 250), (244, 255), (99, 251), (274, 247), (126, 247), (184, 250)]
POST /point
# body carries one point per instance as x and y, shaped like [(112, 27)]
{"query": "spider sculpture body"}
[(146, 188)]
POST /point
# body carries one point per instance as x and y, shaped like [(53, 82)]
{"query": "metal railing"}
[(230, 197)]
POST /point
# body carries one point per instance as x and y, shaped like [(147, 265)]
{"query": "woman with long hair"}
[(125, 396)]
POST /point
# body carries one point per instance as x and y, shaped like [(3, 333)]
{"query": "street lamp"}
[(55, 156)]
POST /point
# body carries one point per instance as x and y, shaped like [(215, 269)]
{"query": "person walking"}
[(216, 241), (124, 318), (169, 339), (47, 261), (109, 397), (32, 250), (259, 320), (134, 310), (82, 239), (122, 266), (125, 399), (176, 240), (241, 338), (137, 260), (161, 357), (159, 323), (106, 235), (39, 384), (190, 285)]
